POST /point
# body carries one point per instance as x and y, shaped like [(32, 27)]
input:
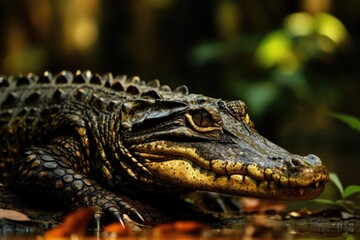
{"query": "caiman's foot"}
[(47, 174), (110, 207), (216, 203), (107, 205)]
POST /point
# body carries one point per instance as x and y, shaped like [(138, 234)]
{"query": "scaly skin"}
[(84, 138)]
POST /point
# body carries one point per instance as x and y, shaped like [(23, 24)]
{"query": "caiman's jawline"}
[(185, 167), (186, 173)]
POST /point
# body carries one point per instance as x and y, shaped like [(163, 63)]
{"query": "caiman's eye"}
[(202, 118), (202, 121)]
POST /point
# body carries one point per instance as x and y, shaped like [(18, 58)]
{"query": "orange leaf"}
[(189, 226), (117, 228), (74, 223), (181, 226)]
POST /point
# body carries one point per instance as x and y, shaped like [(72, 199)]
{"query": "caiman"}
[(84, 138)]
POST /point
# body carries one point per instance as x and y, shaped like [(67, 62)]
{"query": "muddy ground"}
[(20, 217)]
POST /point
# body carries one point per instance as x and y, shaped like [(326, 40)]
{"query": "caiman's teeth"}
[(237, 177), (317, 184), (301, 191), (250, 181)]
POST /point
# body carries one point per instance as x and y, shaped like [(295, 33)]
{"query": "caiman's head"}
[(193, 142)]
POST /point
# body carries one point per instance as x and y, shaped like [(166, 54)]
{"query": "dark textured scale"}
[(21, 80), (96, 79), (11, 99), (59, 172), (29, 121), (30, 157), (108, 197), (63, 164), (182, 89), (68, 178), (7, 113), (153, 83), (201, 101), (132, 89), (32, 98), (113, 104), (61, 79), (165, 88), (124, 78), (4, 82), (135, 80), (45, 78), (151, 94), (107, 84), (108, 79), (88, 182), (64, 77), (3, 122), (58, 94), (47, 158), (33, 111), (35, 163), (99, 102), (50, 165), (78, 176), (78, 185), (32, 77), (118, 86), (79, 78), (81, 94)]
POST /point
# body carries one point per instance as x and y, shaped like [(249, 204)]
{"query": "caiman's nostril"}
[(295, 162), (313, 159), (304, 161)]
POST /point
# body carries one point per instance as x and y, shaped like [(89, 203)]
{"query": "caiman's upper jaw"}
[(181, 165)]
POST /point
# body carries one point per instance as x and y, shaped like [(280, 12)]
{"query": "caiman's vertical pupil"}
[(202, 118)]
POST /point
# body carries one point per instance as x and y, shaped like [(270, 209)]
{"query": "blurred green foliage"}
[(344, 202), (352, 121), (284, 53)]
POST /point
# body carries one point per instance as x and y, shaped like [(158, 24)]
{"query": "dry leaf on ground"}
[(13, 215), (74, 223)]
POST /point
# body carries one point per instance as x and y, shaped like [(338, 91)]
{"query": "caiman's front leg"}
[(50, 170)]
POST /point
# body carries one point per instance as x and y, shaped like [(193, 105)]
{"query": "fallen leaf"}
[(117, 229), (13, 215), (74, 223), (261, 227), (258, 205), (191, 227)]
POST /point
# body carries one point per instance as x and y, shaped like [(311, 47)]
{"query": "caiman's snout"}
[(313, 159), (234, 170), (301, 162)]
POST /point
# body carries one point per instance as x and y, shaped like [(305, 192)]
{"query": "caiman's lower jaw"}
[(187, 174), (236, 178)]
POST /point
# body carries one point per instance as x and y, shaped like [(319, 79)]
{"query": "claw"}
[(118, 216), (136, 216), (221, 204), (97, 217)]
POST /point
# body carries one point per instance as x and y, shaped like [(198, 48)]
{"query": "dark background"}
[(293, 62)]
